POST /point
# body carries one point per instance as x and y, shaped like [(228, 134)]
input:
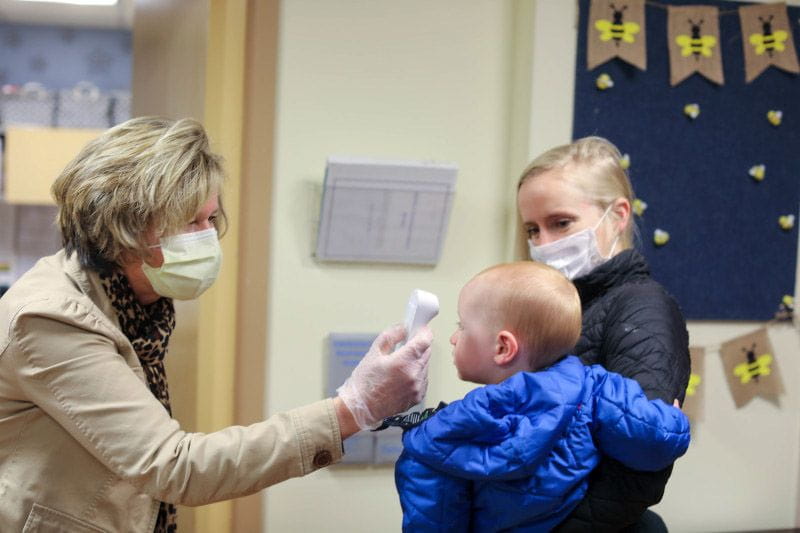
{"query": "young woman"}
[(575, 207)]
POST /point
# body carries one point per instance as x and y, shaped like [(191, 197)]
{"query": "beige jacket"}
[(84, 445)]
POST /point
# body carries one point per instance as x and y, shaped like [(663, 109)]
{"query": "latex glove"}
[(385, 383)]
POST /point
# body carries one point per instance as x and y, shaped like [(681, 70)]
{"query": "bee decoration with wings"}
[(696, 44), (616, 29), (767, 39), (693, 36)]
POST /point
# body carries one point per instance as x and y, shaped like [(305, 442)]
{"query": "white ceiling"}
[(47, 13)]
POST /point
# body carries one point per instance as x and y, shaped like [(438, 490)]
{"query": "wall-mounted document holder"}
[(385, 211)]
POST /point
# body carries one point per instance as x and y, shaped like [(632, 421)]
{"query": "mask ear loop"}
[(198, 235), (616, 239), (613, 247), (156, 245), (602, 217)]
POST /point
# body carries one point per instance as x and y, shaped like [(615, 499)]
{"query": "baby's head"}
[(514, 317)]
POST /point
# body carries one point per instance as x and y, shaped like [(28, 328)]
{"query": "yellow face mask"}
[(191, 265)]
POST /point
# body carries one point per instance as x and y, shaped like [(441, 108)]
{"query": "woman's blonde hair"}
[(148, 174), (536, 303), (593, 164)]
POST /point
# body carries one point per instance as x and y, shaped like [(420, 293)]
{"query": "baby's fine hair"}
[(539, 305)]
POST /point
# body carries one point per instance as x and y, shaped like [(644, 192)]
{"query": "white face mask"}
[(575, 255), (191, 264)]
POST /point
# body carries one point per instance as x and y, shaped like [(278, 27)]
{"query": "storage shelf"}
[(35, 156)]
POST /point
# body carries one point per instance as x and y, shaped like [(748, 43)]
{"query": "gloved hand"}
[(384, 382)]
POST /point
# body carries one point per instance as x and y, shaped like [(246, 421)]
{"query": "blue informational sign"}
[(346, 350)]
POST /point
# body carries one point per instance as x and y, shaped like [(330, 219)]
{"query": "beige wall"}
[(479, 83), (416, 80), (741, 472)]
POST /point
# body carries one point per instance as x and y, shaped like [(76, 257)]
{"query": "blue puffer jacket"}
[(516, 456)]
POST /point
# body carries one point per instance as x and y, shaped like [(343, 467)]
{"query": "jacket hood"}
[(501, 431)]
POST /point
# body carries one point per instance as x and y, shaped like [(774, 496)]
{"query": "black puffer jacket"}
[(633, 327)]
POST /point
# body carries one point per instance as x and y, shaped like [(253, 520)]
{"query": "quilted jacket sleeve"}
[(646, 340), (642, 434), (432, 501), (644, 337)]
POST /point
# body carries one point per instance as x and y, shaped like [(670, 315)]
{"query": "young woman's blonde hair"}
[(593, 164), (536, 303), (148, 174)]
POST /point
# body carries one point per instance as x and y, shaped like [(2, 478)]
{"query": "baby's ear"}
[(506, 348)]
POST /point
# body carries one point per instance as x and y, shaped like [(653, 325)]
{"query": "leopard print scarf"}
[(148, 327)]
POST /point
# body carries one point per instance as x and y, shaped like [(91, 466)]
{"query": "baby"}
[(517, 452)]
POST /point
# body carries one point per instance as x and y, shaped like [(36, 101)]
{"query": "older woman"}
[(575, 206), (87, 442)]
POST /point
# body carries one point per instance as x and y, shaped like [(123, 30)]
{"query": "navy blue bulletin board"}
[(727, 257)]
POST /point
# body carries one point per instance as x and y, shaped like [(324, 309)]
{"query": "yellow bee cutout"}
[(617, 29), (786, 222), (758, 172), (604, 82), (768, 40), (754, 367), (691, 110), (786, 308), (696, 44), (694, 382), (639, 206), (660, 237)]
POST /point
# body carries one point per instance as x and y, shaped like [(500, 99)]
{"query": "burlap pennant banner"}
[(616, 29), (695, 391), (750, 368), (694, 43), (767, 39)]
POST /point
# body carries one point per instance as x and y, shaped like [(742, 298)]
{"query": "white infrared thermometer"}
[(422, 307)]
